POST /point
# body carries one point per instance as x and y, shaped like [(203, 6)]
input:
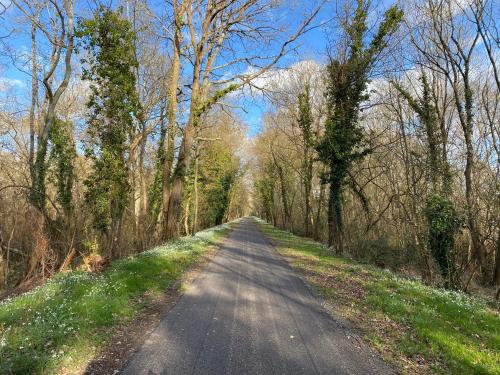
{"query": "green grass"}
[(418, 328), (62, 324)]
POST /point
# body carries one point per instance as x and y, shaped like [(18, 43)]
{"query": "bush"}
[(443, 223)]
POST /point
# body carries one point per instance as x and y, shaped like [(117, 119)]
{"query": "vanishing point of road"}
[(249, 313)]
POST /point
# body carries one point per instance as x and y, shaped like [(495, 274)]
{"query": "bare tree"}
[(57, 27), (212, 27), (447, 45)]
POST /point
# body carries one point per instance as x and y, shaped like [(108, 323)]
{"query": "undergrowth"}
[(63, 323)]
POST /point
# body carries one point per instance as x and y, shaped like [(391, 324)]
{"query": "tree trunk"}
[(131, 167), (184, 158), (34, 98), (174, 208), (284, 199), (477, 249), (115, 250), (284, 194), (3, 266), (316, 234), (335, 235), (195, 221), (468, 125), (186, 217), (142, 192), (172, 116), (496, 272), (178, 180), (307, 191)]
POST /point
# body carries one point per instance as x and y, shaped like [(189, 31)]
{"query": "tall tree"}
[(211, 28), (442, 218), (59, 32), (447, 45), (305, 122), (108, 39), (51, 26), (439, 168), (348, 75), (178, 13)]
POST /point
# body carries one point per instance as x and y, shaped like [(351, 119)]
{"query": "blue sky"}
[(311, 46)]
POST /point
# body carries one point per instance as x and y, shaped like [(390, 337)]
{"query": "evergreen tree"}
[(108, 40), (305, 122), (347, 78)]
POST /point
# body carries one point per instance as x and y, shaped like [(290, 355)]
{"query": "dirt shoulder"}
[(129, 337)]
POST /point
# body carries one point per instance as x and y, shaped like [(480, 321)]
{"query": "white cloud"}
[(10, 83), (417, 12), (282, 80)]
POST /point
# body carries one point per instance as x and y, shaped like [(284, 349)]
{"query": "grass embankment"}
[(417, 328), (63, 324)]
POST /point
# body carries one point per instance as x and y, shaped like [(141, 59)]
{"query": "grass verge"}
[(417, 328), (63, 323)]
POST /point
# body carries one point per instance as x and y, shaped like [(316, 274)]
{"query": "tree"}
[(219, 179), (60, 34), (295, 121), (62, 155), (214, 173), (108, 40), (283, 178), (178, 12), (305, 122), (442, 218), (348, 76), (448, 48), (211, 28), (51, 25)]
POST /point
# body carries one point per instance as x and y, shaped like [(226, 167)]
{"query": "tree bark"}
[(172, 115), (317, 222), (496, 273), (34, 98), (196, 162), (307, 190), (64, 41), (142, 191), (335, 235), (187, 213), (286, 217), (185, 152)]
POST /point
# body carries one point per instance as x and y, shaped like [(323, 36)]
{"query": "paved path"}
[(249, 313)]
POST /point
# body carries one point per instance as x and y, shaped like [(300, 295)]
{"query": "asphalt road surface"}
[(249, 313)]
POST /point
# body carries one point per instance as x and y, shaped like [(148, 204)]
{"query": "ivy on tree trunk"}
[(348, 74), (108, 39)]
